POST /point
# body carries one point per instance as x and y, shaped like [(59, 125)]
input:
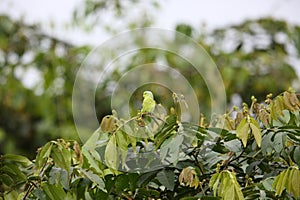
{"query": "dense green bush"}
[(247, 153)]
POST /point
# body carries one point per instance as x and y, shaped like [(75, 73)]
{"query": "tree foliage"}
[(34, 112), (248, 153), (255, 54), (35, 108)]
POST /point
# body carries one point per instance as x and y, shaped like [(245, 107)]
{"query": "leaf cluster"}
[(252, 155)]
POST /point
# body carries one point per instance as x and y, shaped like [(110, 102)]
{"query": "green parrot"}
[(149, 103)]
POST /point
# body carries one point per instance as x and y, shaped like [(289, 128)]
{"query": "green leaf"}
[(43, 155), (121, 140), (144, 192), (11, 195), (267, 144), (213, 179), (59, 176), (255, 129), (46, 150), (279, 142), (71, 196), (296, 156), (214, 182), (295, 179), (286, 117), (165, 133), (289, 183), (280, 181), (91, 142), (170, 149), (6, 179), (267, 184), (95, 179), (111, 153), (14, 171), (122, 183), (54, 192), (61, 157), (167, 179), (122, 143), (226, 186), (145, 178), (289, 179), (17, 158), (229, 193), (237, 189), (88, 154), (125, 182), (242, 131)]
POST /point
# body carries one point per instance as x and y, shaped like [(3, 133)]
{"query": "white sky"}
[(214, 13), (222, 12)]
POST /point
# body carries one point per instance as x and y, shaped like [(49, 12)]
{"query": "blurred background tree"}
[(37, 71), (36, 76)]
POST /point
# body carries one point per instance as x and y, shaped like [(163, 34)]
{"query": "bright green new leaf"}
[(121, 140), (88, 154), (43, 155), (226, 186), (122, 143), (244, 127), (214, 182), (61, 157), (111, 153), (288, 179)]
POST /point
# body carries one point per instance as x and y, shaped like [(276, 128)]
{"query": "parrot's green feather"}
[(148, 102)]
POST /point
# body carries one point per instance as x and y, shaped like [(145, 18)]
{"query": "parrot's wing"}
[(148, 105)]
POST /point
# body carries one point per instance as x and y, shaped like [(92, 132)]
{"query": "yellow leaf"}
[(242, 131), (188, 176), (289, 183), (108, 124), (280, 181), (256, 131), (289, 179), (295, 179), (291, 101), (277, 106), (264, 117)]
